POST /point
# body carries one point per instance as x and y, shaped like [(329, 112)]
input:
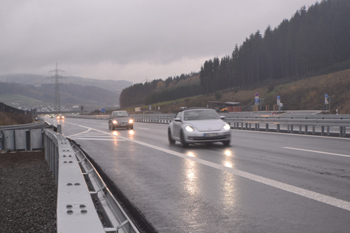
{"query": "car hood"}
[(207, 125), (121, 119)]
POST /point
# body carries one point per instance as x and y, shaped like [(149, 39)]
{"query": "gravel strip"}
[(28, 194)]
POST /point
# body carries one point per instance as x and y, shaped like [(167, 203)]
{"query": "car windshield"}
[(120, 114), (200, 115)]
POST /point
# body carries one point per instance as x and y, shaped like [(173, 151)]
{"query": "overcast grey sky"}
[(129, 39)]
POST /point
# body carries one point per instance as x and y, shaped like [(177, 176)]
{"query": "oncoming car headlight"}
[(227, 127), (115, 122), (131, 121), (189, 128)]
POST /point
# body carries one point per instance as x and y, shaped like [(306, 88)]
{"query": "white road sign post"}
[(279, 103), (256, 98)]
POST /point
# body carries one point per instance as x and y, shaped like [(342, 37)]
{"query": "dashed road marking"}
[(315, 151)]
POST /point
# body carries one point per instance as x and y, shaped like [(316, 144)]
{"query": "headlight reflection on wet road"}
[(191, 175), (131, 133), (228, 159)]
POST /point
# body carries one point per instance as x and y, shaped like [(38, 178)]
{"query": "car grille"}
[(209, 138)]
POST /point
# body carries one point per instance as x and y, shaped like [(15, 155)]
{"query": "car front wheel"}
[(171, 140), (182, 139), (226, 143)]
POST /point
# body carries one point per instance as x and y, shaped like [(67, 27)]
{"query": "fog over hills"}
[(28, 91), (37, 80)]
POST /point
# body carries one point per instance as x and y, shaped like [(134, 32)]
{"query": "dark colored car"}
[(120, 119)]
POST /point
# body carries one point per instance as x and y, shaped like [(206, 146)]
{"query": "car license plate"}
[(210, 134)]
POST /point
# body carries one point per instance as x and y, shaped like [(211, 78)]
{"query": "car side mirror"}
[(177, 119), (222, 117)]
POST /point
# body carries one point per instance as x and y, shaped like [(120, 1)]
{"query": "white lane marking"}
[(79, 133), (315, 151), (276, 184)]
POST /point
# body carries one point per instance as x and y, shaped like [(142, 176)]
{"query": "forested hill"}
[(313, 40), (159, 90)]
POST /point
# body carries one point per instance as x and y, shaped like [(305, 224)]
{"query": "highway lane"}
[(263, 182)]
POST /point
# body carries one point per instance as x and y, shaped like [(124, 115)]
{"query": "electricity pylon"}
[(57, 105)]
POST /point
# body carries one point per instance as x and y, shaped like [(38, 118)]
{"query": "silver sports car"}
[(194, 125)]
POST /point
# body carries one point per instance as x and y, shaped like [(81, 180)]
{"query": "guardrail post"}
[(246, 126), (267, 127), (279, 127), (291, 128), (313, 129), (342, 131), (327, 130), (257, 126), (250, 126), (306, 129), (299, 128)]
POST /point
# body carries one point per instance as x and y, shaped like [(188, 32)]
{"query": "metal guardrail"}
[(36, 125), (115, 218), (323, 123), (153, 118), (81, 191), (26, 137), (97, 117)]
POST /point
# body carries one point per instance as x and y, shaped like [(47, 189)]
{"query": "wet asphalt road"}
[(263, 182)]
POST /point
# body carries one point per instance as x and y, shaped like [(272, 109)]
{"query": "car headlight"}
[(189, 128), (227, 127), (115, 122), (131, 121), (63, 117)]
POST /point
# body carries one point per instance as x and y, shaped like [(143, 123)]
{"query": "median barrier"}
[(80, 189)]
